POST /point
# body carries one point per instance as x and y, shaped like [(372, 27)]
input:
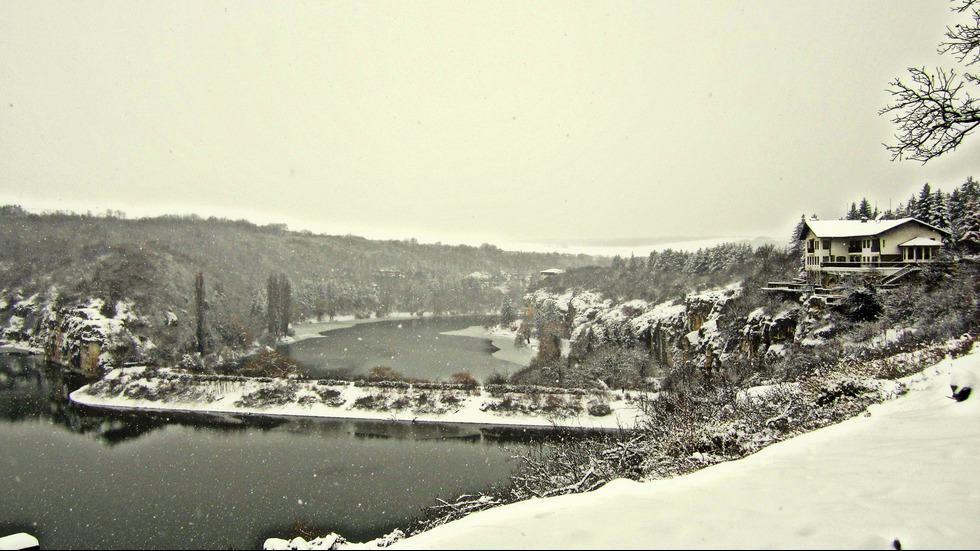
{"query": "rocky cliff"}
[(702, 328)]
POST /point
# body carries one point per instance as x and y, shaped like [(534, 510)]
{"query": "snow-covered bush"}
[(273, 394)]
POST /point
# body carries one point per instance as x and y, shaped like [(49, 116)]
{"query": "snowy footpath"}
[(903, 475)]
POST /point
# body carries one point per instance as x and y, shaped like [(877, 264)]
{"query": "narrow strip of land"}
[(156, 389)]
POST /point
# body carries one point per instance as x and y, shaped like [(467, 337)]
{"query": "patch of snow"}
[(777, 350)]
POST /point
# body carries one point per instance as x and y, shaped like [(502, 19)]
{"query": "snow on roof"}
[(553, 271), (855, 228), (921, 242)]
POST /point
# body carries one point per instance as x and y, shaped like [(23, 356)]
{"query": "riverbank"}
[(159, 389), (312, 329)]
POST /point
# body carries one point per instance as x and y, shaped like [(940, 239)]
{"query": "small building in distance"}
[(545, 274)]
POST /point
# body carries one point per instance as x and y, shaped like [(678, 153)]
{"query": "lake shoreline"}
[(503, 339)]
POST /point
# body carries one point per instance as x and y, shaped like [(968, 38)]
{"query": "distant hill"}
[(66, 260)]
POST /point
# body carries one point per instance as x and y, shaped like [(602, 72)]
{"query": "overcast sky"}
[(473, 122)]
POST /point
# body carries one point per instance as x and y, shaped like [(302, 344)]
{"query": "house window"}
[(875, 245), (809, 245), (826, 244), (854, 246)]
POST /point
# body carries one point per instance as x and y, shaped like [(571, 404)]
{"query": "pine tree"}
[(507, 313), (923, 205), (864, 210), (969, 228), (940, 215), (853, 213), (910, 208), (796, 241)]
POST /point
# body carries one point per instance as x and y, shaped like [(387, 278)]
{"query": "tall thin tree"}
[(200, 307)]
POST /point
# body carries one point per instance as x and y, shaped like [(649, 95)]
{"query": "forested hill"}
[(149, 265)]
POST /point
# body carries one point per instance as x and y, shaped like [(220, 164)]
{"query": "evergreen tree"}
[(969, 228), (853, 214), (940, 215), (864, 210), (796, 247), (507, 313), (653, 261), (910, 208), (923, 205), (634, 263)]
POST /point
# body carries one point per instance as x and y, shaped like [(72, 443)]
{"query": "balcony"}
[(868, 265)]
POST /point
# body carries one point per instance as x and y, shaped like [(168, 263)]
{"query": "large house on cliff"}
[(835, 249)]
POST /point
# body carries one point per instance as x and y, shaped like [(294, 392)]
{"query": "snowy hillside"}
[(902, 475), (905, 472)]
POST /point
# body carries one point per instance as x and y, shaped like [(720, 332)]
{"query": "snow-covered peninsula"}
[(156, 389)]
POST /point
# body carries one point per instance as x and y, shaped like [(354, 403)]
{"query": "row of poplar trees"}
[(279, 295)]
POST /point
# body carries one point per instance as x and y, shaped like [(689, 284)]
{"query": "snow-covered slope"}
[(907, 473)]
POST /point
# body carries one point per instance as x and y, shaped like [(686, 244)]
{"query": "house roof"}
[(857, 228), (921, 242)]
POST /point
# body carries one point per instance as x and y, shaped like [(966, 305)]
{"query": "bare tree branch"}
[(964, 41), (935, 112)]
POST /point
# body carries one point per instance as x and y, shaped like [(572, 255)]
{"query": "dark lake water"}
[(80, 478), (414, 347)]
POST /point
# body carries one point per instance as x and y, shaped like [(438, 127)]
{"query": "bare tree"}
[(935, 111)]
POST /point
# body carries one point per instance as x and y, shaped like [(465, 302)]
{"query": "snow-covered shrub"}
[(277, 394), (273, 363), (371, 401), (599, 409), (322, 395), (463, 379)]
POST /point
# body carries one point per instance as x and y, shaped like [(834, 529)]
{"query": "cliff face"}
[(89, 338), (701, 328)]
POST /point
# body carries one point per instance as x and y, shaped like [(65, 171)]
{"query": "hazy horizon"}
[(506, 122)]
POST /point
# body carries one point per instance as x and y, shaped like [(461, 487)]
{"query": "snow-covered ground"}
[(168, 390), (312, 328), (904, 474), (625, 251), (502, 338)]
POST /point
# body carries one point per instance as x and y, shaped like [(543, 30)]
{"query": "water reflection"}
[(80, 477)]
